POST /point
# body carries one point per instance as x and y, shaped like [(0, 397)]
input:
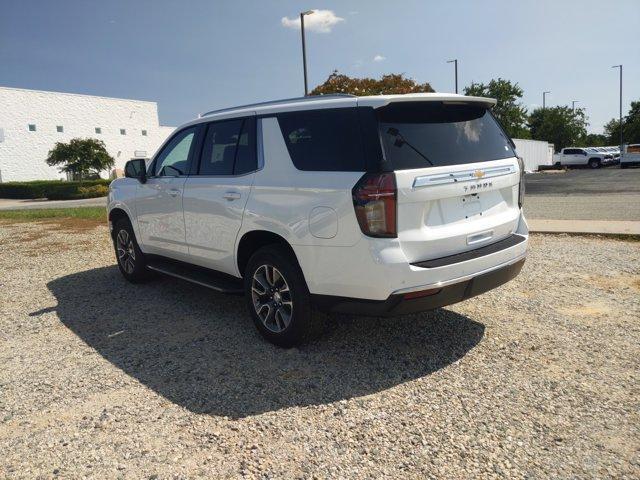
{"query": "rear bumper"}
[(376, 269), (397, 304)]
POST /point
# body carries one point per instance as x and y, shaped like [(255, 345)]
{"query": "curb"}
[(591, 227)]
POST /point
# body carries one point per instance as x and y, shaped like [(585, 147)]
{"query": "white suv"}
[(378, 205)]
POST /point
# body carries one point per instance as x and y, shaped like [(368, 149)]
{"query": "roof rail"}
[(275, 102)]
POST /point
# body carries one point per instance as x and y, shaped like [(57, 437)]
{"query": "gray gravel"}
[(101, 379)]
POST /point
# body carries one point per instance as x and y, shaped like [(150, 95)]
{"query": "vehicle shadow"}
[(200, 350)]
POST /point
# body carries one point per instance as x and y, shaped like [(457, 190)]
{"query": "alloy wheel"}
[(271, 297), (126, 251)]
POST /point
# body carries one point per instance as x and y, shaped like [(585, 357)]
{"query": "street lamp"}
[(621, 137), (544, 100), (455, 62), (304, 50), (573, 105)]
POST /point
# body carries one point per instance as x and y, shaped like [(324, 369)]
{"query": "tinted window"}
[(424, 134), (324, 140), (246, 157), (219, 153), (174, 157)]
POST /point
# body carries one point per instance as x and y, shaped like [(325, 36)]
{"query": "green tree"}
[(631, 124), (561, 126), (388, 84), (509, 111), (81, 157), (612, 131), (595, 140)]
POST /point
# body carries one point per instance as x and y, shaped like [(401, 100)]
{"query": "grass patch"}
[(97, 214)]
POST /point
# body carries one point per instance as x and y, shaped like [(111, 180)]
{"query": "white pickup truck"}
[(573, 156), (631, 155)]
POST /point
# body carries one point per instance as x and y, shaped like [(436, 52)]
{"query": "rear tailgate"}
[(452, 209), (457, 176)]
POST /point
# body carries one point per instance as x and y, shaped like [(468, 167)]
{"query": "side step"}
[(220, 282)]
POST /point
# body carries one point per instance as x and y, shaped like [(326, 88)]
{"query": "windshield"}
[(424, 134)]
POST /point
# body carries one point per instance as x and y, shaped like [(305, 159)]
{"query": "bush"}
[(55, 189)]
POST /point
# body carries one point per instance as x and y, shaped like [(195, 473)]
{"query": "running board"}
[(205, 277)]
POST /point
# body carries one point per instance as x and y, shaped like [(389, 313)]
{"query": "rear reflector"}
[(421, 293), (374, 200)]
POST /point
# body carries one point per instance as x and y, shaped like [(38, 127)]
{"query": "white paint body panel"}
[(314, 213)]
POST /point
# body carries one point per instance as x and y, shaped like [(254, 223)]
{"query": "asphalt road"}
[(608, 181), (14, 204), (584, 194)]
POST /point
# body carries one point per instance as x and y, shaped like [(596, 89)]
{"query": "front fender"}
[(122, 195)]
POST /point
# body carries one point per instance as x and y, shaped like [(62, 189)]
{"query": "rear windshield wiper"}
[(400, 141)]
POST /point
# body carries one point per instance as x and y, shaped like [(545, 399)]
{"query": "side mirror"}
[(136, 168)]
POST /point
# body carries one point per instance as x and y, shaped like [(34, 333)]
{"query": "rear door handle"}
[(174, 193), (232, 195)]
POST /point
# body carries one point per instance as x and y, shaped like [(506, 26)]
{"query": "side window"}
[(246, 157), (324, 140), (174, 158), (219, 153), (570, 151)]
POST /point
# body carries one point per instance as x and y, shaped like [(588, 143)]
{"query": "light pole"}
[(304, 50), (573, 105), (455, 62), (621, 136), (544, 100)]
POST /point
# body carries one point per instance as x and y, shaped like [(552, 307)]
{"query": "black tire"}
[(558, 164), (594, 163), (131, 260), (622, 165), (274, 286)]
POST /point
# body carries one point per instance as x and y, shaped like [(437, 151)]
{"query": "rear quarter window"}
[(324, 140)]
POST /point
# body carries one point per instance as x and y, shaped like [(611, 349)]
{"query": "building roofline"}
[(78, 95)]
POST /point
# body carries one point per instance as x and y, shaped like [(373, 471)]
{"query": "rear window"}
[(425, 134), (324, 140)]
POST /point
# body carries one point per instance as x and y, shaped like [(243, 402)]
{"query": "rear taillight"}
[(374, 199), (521, 185)]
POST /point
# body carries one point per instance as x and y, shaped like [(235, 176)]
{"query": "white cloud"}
[(321, 21), (379, 58)]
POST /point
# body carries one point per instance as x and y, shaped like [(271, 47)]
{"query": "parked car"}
[(380, 205), (631, 155), (573, 156)]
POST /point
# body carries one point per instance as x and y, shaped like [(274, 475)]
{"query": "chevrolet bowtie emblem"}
[(478, 174)]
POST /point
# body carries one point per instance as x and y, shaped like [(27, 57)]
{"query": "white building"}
[(32, 121)]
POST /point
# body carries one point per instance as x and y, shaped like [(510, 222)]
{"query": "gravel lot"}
[(98, 378)]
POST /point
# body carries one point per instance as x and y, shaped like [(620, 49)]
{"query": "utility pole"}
[(621, 134), (304, 50), (455, 62), (573, 105), (544, 100)]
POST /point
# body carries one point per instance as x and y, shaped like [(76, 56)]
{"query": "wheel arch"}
[(253, 240), (116, 214)]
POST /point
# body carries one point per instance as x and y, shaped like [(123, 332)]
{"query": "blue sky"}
[(197, 55)]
